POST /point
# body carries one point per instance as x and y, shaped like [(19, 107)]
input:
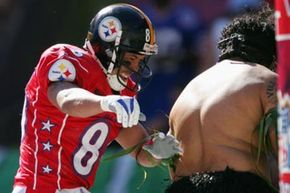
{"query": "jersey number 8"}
[(92, 141)]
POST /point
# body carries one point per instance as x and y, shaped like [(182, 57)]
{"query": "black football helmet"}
[(115, 30)]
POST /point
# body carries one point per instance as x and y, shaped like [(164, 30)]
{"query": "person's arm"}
[(78, 102), (128, 137), (269, 102), (152, 149), (74, 101), (269, 93)]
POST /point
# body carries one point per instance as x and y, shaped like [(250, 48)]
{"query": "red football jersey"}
[(59, 151)]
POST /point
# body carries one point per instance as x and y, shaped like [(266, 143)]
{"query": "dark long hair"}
[(251, 37)]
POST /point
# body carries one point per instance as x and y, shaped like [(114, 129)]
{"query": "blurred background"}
[(187, 33)]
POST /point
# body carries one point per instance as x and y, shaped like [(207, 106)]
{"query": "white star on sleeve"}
[(47, 146), (47, 125), (46, 169)]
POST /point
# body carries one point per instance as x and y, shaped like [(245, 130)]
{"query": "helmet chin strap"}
[(114, 55), (113, 79)]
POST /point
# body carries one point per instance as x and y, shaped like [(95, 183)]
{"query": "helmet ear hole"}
[(109, 53)]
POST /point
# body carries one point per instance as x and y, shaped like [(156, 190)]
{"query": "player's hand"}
[(126, 109), (163, 146)]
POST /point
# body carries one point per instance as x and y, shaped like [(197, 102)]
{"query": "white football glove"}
[(126, 109), (163, 146)]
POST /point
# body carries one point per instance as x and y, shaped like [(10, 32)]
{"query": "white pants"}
[(22, 189)]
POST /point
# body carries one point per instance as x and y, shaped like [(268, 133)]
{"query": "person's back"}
[(216, 117)]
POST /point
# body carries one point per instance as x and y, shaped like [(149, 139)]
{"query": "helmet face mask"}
[(140, 72), (119, 29)]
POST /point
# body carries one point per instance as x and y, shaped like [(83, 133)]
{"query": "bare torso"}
[(215, 116)]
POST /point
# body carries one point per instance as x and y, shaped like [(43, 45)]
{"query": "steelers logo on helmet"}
[(109, 28)]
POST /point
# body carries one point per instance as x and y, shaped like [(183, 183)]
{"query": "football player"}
[(79, 100)]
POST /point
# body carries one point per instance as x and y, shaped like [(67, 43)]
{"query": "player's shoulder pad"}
[(62, 70)]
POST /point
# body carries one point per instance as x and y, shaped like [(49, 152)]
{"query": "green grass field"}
[(155, 182)]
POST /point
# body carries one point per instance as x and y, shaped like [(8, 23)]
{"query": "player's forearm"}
[(146, 160), (138, 136)]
